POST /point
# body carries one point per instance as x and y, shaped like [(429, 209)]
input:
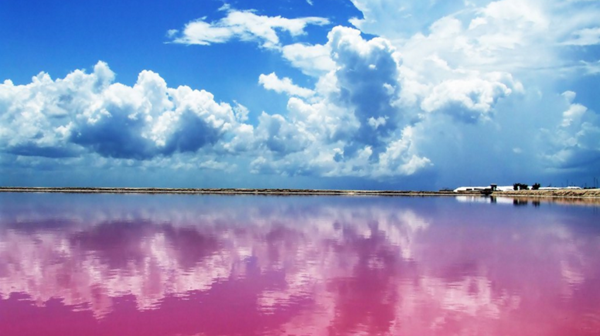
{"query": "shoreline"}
[(558, 193), (561, 193), (230, 191)]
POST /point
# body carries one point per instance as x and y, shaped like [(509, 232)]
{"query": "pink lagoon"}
[(247, 265)]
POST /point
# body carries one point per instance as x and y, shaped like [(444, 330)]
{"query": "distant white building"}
[(470, 189), (505, 188), (508, 188), (493, 186)]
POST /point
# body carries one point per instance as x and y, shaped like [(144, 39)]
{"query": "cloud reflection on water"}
[(303, 265)]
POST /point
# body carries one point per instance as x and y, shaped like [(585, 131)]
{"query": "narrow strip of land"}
[(563, 193), (550, 193), (230, 191)]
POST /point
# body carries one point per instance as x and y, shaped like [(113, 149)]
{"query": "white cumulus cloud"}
[(89, 112), (314, 60), (283, 85), (574, 143), (245, 26)]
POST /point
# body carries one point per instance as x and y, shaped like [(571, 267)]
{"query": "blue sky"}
[(306, 94)]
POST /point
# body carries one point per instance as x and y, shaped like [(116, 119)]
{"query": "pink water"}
[(210, 265)]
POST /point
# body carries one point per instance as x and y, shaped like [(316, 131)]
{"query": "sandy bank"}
[(584, 193), (233, 191), (550, 193)]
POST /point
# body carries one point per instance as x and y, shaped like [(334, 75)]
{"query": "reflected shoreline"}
[(526, 200)]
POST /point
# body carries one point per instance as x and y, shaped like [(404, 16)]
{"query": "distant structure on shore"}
[(517, 186), (493, 187)]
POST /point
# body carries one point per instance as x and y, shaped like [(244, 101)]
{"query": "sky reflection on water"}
[(215, 265)]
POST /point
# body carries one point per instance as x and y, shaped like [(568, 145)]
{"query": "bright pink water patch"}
[(207, 265)]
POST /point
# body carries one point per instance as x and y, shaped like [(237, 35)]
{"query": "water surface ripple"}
[(246, 265)]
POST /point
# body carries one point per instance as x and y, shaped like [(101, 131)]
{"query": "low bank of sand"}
[(563, 193), (550, 193), (232, 191)]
